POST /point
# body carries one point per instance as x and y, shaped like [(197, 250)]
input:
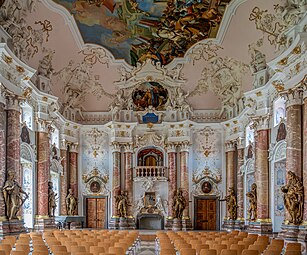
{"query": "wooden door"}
[(96, 212), (205, 214)]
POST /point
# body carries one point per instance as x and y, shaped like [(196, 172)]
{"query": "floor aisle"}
[(147, 248)]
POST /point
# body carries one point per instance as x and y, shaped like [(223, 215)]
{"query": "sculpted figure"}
[(252, 195), (293, 198), (122, 204), (71, 203), (179, 204), (12, 194), (231, 204), (51, 200)]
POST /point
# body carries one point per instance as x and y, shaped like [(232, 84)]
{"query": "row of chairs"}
[(221, 243)]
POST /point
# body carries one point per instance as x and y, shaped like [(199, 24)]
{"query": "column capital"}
[(2, 94), (171, 147), (44, 126), (230, 146), (12, 102), (293, 96), (115, 146), (261, 122), (63, 144), (73, 147), (184, 146), (128, 147)]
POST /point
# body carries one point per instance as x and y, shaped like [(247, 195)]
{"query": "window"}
[(27, 115), (279, 111)]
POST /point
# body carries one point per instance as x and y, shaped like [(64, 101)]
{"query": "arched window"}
[(27, 115), (55, 179), (279, 111)]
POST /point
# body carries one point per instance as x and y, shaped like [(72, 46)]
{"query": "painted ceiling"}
[(136, 30)]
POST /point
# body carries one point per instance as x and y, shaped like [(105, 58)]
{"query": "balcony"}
[(151, 171)]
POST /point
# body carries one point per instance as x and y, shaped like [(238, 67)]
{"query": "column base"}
[(168, 223), (114, 223), (177, 225), (122, 223), (260, 227), (42, 224), (186, 224), (294, 233), (12, 227), (230, 225)]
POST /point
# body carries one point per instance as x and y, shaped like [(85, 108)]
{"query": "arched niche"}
[(150, 156), (278, 179), (249, 179), (27, 160)]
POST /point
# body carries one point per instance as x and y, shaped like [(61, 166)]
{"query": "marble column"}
[(13, 137), (172, 176), (240, 181), (43, 173), (305, 155), (116, 175), (128, 170), (2, 156), (263, 223), (63, 178), (73, 169), (230, 166), (184, 175)]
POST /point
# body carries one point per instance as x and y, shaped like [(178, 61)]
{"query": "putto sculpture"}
[(293, 198)]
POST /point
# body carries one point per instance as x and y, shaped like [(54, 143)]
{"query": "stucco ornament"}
[(258, 61), (223, 76), (45, 65)]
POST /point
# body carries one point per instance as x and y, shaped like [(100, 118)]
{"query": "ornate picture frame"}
[(149, 199)]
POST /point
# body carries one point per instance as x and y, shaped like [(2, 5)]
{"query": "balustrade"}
[(150, 171)]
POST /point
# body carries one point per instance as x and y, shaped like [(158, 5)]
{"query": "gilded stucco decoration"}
[(95, 182), (26, 39), (276, 25), (223, 76), (150, 139)]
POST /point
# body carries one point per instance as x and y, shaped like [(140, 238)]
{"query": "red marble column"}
[(305, 156), (116, 176), (2, 155), (172, 176), (294, 132), (128, 175), (73, 169), (13, 137), (43, 172), (184, 176), (230, 167), (240, 184), (262, 173), (63, 181)]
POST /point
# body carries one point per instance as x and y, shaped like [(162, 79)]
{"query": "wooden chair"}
[(271, 252), (293, 253), (116, 250), (250, 252), (293, 247), (208, 252), (187, 251), (228, 252), (6, 248)]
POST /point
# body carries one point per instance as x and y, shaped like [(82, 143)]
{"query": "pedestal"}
[(168, 223), (131, 223), (186, 224), (114, 222), (230, 225), (42, 224), (13, 227), (260, 227), (292, 233), (177, 225)]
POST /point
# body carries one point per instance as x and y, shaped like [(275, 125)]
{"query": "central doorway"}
[(96, 212), (206, 213)]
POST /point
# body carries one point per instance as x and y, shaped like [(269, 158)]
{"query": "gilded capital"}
[(293, 96), (261, 122)]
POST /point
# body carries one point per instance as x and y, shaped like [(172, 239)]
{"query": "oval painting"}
[(150, 94), (206, 187), (95, 187)]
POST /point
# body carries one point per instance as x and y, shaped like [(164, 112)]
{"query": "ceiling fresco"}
[(136, 30)]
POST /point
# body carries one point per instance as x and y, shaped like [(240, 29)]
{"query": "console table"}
[(150, 221), (68, 219)]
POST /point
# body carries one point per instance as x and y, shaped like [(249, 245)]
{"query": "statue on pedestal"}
[(122, 204), (252, 195), (12, 194), (71, 203), (51, 200), (179, 204), (231, 204), (293, 199)]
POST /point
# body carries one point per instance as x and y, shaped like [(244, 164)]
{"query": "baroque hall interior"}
[(154, 115)]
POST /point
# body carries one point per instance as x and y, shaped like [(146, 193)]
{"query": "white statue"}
[(180, 101), (159, 204)]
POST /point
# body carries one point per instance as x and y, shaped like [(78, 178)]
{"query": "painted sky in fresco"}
[(136, 30)]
